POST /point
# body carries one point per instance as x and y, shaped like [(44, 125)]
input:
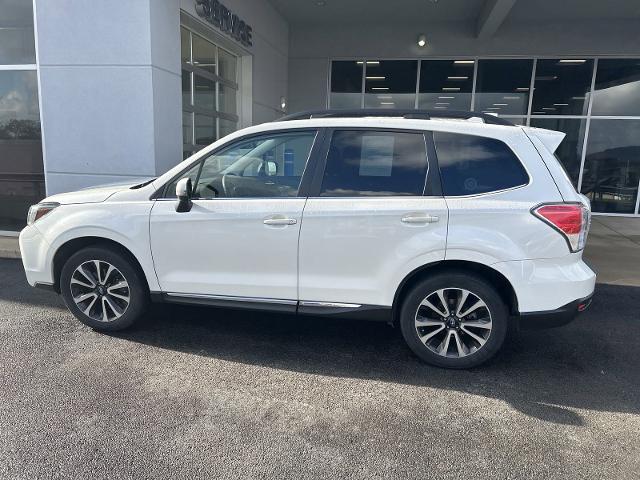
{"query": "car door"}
[(240, 237), (375, 213)]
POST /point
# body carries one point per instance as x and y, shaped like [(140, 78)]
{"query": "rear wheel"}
[(103, 289), (454, 320)]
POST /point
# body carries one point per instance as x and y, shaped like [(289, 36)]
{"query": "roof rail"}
[(404, 113)]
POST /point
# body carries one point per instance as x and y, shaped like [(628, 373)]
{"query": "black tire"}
[(456, 280), (137, 288)]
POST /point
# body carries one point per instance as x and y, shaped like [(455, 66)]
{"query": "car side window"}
[(375, 163), (471, 164), (264, 166)]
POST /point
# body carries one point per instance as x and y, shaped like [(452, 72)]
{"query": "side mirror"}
[(184, 191)]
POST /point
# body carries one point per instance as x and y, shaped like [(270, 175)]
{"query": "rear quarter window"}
[(470, 164)]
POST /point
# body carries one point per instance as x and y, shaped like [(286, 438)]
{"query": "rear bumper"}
[(554, 318)]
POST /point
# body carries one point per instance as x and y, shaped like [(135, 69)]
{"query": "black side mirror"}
[(184, 191)]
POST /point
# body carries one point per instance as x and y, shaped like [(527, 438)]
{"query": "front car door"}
[(240, 238), (375, 213)]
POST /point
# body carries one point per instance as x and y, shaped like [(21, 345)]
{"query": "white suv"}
[(456, 229)]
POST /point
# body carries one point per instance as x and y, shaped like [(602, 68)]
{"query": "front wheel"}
[(102, 288), (454, 320)]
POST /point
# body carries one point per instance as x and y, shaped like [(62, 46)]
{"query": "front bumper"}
[(553, 318), (34, 250)]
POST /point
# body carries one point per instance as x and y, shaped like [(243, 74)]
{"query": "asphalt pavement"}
[(211, 393)]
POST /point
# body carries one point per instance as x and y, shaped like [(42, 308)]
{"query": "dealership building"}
[(102, 92)]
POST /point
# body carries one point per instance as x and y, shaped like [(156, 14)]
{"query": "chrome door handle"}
[(414, 218), (279, 221)]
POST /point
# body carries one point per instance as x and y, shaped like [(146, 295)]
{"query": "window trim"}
[(432, 185), (160, 193), (491, 192)]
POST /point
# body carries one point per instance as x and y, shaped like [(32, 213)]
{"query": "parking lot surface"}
[(197, 393)]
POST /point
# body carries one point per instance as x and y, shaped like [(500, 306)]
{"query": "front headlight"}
[(38, 211)]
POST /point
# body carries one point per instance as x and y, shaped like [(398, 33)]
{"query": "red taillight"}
[(572, 220)]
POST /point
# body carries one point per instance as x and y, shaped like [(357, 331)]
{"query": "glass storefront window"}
[(502, 86), (226, 127), (205, 129), (570, 150), (561, 87), (227, 65), (204, 92), (204, 54), (617, 88), (17, 45), (226, 98), (185, 45), (446, 84), (346, 84), (21, 169), (390, 84), (612, 165), (209, 92)]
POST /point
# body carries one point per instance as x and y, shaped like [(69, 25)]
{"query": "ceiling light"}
[(379, 88), (539, 113), (422, 40), (464, 62), (444, 98), (369, 62), (493, 108), (450, 89), (387, 103), (385, 97), (560, 104), (570, 61), (374, 78), (458, 78), (442, 103), (548, 108), (522, 89), (547, 77), (511, 98), (440, 108), (577, 98)]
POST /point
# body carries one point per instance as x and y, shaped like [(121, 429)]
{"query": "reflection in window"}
[(346, 84), (612, 165), (617, 88), (390, 84), (446, 84), (205, 129), (368, 163), (21, 169), (562, 87), (570, 150), (471, 165), (502, 86), (17, 44)]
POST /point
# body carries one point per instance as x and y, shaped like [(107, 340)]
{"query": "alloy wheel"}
[(453, 322), (100, 290)]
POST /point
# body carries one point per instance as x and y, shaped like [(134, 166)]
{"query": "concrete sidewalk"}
[(613, 250)]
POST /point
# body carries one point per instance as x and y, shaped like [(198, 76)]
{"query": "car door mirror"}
[(184, 192)]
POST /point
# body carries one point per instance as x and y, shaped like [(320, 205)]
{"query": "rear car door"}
[(375, 213), (240, 237)]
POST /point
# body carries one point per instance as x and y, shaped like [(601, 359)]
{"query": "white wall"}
[(311, 47), (109, 88)]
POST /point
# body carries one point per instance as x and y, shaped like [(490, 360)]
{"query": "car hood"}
[(94, 194)]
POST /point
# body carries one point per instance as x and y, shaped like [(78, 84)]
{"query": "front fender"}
[(125, 223)]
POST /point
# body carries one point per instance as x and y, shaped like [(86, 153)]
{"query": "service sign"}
[(221, 17)]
